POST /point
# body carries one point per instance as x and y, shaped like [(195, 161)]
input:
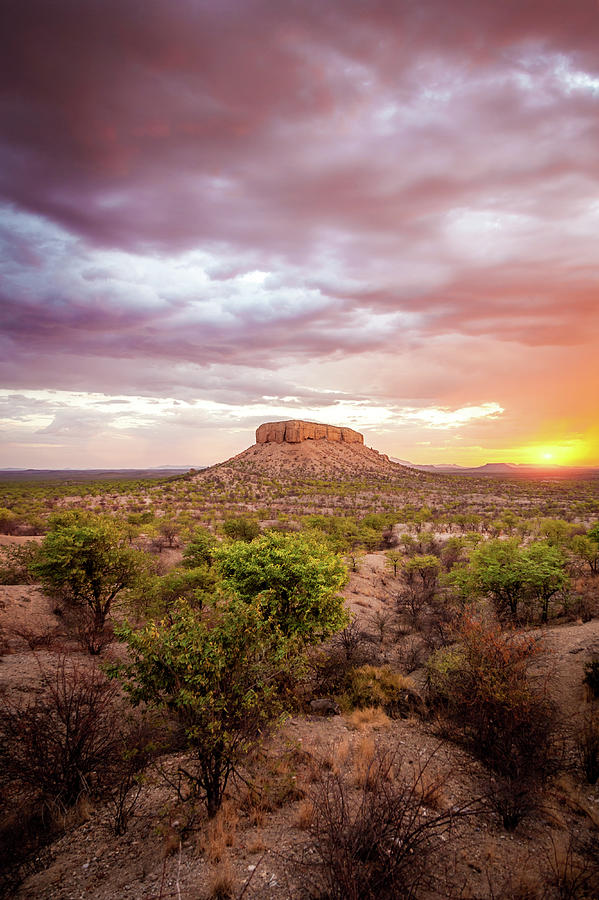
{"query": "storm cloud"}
[(391, 205)]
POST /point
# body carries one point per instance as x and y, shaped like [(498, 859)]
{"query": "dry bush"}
[(381, 621), (56, 745), (275, 785), (573, 868), (374, 843), (90, 636), (15, 562), (47, 639), (587, 746), (330, 664), (25, 829), (591, 678), (437, 623), (124, 782), (57, 748), (482, 686)]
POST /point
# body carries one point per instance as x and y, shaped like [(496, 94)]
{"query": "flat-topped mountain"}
[(298, 449), (295, 431)]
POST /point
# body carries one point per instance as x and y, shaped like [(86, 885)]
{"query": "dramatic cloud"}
[(381, 211)]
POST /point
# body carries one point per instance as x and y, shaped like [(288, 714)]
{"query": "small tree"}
[(511, 575), (392, 560), (8, 521), (220, 675), (588, 550), (169, 530), (545, 574), (420, 580), (297, 579), (355, 557), (241, 529), (160, 592), (88, 565), (497, 568), (200, 550)]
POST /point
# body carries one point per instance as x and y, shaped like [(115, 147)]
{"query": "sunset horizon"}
[(381, 216)]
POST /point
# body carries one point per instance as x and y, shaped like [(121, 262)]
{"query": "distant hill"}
[(509, 470), (83, 475)]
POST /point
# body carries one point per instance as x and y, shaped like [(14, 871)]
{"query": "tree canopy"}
[(88, 564), (511, 575), (220, 673), (297, 578)]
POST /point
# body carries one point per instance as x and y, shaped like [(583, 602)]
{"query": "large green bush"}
[(297, 579)]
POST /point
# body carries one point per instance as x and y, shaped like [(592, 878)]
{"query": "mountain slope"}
[(319, 459)]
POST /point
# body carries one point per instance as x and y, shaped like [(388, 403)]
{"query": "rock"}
[(295, 431), (325, 707)]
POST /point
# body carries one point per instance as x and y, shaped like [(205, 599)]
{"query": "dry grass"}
[(305, 814), (318, 757), (256, 844), (552, 814), (369, 717), (276, 785), (170, 842), (363, 760), (219, 833), (431, 790), (73, 816), (570, 794), (574, 873), (341, 756), (332, 756), (222, 884)]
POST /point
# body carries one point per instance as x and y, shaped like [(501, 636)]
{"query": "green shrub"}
[(15, 562)]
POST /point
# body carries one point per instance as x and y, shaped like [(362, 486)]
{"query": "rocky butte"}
[(298, 450), (295, 431)]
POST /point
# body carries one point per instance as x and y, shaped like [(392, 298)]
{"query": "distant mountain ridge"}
[(506, 469)]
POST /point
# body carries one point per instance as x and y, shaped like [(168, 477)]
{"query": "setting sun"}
[(565, 453)]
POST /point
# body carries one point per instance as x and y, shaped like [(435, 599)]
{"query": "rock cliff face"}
[(294, 432)]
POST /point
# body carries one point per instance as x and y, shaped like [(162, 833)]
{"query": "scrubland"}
[(253, 683)]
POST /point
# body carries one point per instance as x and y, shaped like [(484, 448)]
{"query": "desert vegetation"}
[(252, 683)]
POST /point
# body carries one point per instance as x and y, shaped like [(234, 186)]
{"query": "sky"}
[(216, 213)]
